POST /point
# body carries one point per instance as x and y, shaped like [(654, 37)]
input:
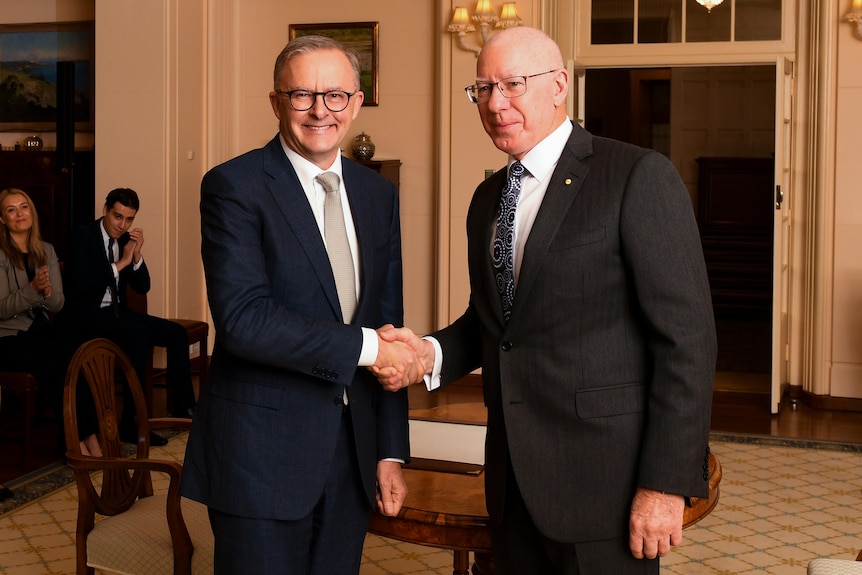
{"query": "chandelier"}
[(709, 4), (485, 16)]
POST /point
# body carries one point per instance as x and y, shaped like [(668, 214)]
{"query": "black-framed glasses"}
[(302, 100), (511, 87)]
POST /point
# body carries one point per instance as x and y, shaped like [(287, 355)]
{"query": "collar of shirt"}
[(314, 192), (542, 159)]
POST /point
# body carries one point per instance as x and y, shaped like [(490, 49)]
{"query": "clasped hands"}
[(402, 357), (42, 282), (132, 250)]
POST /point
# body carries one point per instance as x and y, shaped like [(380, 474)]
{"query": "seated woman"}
[(30, 288)]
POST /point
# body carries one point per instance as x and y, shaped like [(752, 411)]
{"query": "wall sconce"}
[(484, 15), (855, 17), (709, 4)]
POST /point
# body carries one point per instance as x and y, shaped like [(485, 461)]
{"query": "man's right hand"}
[(402, 358)]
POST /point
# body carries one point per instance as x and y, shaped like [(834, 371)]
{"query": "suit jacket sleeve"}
[(661, 249)]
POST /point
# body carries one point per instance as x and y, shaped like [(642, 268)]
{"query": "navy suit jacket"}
[(265, 427), (88, 273), (601, 381)]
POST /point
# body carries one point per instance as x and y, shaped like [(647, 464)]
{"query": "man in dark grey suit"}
[(590, 316), (293, 439)]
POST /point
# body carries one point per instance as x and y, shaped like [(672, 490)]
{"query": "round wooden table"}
[(447, 510)]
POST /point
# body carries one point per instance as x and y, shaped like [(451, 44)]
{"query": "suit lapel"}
[(288, 195), (357, 196), (566, 181)]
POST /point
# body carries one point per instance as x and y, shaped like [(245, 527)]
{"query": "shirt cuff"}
[(432, 380), (370, 345)]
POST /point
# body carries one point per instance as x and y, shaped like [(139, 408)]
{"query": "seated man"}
[(103, 259)]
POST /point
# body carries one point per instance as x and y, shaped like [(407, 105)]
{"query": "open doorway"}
[(716, 124)]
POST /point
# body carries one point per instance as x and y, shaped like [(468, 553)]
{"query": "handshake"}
[(402, 357)]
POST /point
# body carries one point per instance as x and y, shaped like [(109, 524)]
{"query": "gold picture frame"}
[(362, 38)]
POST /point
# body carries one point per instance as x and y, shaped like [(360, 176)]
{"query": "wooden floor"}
[(733, 412)]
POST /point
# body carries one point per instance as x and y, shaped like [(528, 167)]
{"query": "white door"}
[(784, 99)]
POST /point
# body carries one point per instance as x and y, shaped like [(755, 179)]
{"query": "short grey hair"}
[(308, 44)]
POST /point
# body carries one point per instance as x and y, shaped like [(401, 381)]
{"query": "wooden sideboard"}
[(735, 215), (64, 198), (389, 169)]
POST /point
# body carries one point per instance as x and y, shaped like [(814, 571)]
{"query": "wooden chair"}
[(197, 332), (26, 386), (140, 533)]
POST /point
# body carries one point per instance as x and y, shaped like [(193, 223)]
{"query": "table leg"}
[(462, 563)]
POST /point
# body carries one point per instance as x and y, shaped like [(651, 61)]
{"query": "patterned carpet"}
[(783, 503)]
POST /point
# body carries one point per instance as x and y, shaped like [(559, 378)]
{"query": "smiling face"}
[(516, 125), (118, 219), (316, 133), (15, 214)]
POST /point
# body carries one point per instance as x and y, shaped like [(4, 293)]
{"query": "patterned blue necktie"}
[(504, 240)]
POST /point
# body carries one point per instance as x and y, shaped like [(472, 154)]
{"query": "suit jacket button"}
[(507, 346)]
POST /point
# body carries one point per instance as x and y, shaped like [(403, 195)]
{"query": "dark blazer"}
[(265, 426), (602, 379), (88, 273)]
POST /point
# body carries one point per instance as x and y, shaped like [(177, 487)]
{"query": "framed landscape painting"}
[(361, 37), (29, 54)]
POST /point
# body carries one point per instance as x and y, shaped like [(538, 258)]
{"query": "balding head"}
[(531, 43), (528, 58)]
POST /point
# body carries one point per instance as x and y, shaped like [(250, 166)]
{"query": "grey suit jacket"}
[(17, 295), (265, 428), (602, 379)]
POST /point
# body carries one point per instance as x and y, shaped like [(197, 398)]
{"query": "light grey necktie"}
[(337, 245)]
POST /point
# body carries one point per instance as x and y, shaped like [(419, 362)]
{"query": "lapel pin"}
[(568, 181)]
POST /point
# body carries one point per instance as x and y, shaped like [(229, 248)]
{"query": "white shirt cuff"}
[(432, 380), (370, 345)]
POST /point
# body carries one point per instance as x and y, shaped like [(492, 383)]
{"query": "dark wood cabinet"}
[(735, 217), (389, 169), (64, 197)]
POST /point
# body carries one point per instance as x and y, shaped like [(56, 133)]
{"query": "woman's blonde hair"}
[(35, 251)]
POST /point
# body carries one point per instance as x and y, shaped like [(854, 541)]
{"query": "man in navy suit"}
[(104, 259), (590, 315), (293, 440)]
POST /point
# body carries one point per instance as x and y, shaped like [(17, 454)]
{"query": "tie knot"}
[(516, 170), (329, 181)]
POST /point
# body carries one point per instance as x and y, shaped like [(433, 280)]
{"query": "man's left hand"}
[(391, 487), (655, 523)]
